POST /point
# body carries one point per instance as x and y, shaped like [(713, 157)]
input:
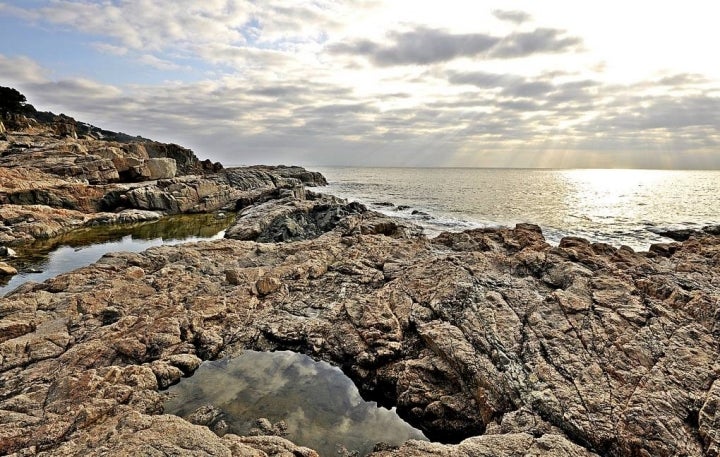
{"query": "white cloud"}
[(20, 70), (107, 48), (160, 64)]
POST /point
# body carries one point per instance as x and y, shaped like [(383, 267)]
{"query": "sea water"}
[(619, 207)]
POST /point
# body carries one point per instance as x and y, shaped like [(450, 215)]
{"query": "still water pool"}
[(48, 258), (320, 406)]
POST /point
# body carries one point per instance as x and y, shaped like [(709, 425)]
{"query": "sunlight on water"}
[(320, 406), (612, 194)]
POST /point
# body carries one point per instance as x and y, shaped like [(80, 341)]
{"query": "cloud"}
[(516, 17), (20, 70), (107, 48), (156, 62), (145, 25), (423, 46), (539, 41)]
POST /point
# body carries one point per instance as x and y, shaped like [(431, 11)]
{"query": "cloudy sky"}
[(557, 83)]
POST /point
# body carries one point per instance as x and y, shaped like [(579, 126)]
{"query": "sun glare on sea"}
[(606, 194)]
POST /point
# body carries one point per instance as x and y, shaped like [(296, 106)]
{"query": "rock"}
[(291, 219), (205, 415), (7, 270), (267, 285), (65, 126), (163, 168), (153, 169), (23, 224), (309, 178), (490, 338), (7, 252), (128, 216), (676, 234), (189, 194)]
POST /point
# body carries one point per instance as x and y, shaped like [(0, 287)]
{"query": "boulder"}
[(163, 168), (7, 270), (189, 194), (293, 219)]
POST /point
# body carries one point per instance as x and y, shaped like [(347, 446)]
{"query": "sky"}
[(513, 83)]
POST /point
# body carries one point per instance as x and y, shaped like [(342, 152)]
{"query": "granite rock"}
[(492, 339)]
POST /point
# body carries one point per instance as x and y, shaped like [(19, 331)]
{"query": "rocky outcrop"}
[(294, 219), (309, 178), (30, 186), (684, 234), (189, 194), (54, 146), (490, 338), (21, 224)]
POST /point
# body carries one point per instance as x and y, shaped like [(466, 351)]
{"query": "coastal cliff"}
[(491, 341)]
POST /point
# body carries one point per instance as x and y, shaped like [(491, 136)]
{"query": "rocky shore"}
[(491, 341)]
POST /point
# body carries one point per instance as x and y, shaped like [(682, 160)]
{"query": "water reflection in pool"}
[(46, 259), (321, 407)]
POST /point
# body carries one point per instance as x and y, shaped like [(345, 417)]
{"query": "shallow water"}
[(48, 258), (613, 206), (320, 405)]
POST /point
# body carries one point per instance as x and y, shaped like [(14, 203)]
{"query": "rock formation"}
[(52, 181), (490, 338)]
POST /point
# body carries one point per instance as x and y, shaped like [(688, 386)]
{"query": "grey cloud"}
[(543, 40), (669, 113), (510, 85), (528, 89), (516, 17), (681, 79), (483, 79), (420, 47), (423, 46)]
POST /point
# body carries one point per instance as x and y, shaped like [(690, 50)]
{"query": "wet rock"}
[(205, 415), (263, 426), (291, 219), (677, 234), (7, 252)]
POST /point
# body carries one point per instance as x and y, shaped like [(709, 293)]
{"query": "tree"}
[(11, 101)]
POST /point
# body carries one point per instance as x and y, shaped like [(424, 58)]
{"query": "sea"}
[(618, 207)]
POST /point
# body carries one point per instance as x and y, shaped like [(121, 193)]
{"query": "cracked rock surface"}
[(491, 339)]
